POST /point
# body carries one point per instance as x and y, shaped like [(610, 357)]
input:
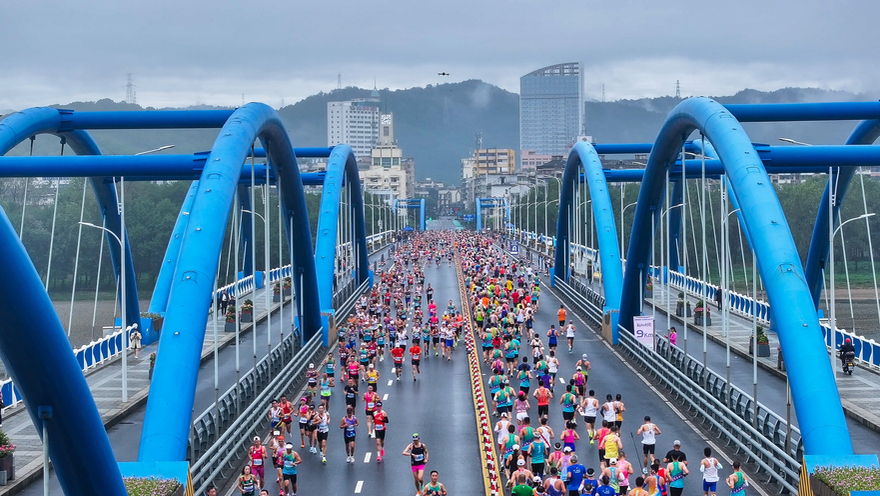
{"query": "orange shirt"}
[(561, 314)]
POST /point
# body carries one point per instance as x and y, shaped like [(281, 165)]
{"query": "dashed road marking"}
[(367, 456), (358, 487), (390, 382), (562, 380), (385, 398)]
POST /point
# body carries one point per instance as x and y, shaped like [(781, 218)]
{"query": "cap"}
[(574, 458), (537, 479), (567, 449), (613, 461), (584, 356), (311, 365), (520, 462), (846, 340), (504, 414), (256, 438), (676, 443), (515, 447), (590, 471), (578, 369), (416, 435), (378, 403), (372, 366), (276, 433), (288, 446)]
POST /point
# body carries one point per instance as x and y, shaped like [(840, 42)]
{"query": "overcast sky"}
[(200, 51)]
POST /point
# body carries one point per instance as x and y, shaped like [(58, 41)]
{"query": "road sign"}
[(514, 248), (644, 329), (469, 217)]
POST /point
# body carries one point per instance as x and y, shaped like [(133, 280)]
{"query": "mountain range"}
[(438, 125)]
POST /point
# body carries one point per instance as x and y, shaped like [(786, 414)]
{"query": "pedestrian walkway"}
[(859, 393), (105, 382)]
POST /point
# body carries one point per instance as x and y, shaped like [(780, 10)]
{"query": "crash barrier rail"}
[(735, 426), (220, 436), (728, 410), (488, 454)]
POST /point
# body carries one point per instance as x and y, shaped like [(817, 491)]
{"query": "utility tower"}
[(130, 93), (339, 81), (677, 90)]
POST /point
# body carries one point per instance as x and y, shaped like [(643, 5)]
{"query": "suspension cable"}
[(27, 181), (870, 245), (54, 218), (98, 277), (82, 211)]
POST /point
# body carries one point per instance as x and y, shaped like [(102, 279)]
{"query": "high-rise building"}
[(355, 123), (388, 172), (551, 109)]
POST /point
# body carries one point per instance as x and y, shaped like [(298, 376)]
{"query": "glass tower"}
[(551, 108)]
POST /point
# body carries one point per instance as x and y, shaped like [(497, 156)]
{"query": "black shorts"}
[(303, 425), (543, 410), (503, 409), (290, 477), (398, 365), (435, 339), (368, 413), (648, 449), (510, 359), (348, 439), (380, 434), (322, 436), (601, 455), (416, 363), (567, 416), (590, 420), (312, 428)]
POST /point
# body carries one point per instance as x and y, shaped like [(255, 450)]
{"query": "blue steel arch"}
[(46, 120), (418, 203), (169, 407), (490, 202), (824, 429), (583, 156), (76, 426), (865, 133), (342, 172)]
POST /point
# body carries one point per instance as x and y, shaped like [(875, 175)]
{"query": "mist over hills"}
[(437, 124)]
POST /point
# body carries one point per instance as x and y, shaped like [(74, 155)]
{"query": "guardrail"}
[(735, 425), (213, 450), (772, 446), (219, 435)]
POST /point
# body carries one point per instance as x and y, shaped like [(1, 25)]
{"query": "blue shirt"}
[(605, 491), (575, 476)]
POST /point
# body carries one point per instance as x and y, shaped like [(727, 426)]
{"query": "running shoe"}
[(323, 459)]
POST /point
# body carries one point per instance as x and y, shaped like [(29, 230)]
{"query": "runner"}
[(258, 459), (247, 483), (373, 377), (327, 386), (709, 467), (323, 419), (569, 334), (575, 472), (397, 355), (552, 336), (561, 314), (543, 395), (350, 424), (415, 353), (418, 454), (589, 408), (275, 415), (370, 400), (290, 459), (434, 488), (737, 481), (648, 431), (286, 414), (677, 472), (303, 421), (380, 418)]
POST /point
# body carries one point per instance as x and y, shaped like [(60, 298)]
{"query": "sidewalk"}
[(859, 393), (105, 383)]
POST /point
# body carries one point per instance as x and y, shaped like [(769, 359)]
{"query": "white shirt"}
[(569, 331), (608, 411), (648, 434), (710, 473)]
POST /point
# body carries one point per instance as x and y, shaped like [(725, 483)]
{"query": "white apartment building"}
[(355, 123)]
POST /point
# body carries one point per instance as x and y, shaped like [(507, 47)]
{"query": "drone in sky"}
[(442, 73)]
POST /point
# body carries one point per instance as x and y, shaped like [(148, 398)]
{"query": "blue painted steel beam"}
[(622, 148), (301, 152), (865, 133), (418, 203), (162, 290), (342, 172), (168, 418), (36, 351), (492, 203), (583, 156), (777, 112), (143, 119), (824, 429)]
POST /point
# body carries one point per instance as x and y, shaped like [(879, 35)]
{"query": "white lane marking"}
[(367, 456), (358, 487), (562, 380), (385, 398), (390, 382)]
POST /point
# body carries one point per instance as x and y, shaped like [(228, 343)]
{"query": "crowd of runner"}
[(401, 321)]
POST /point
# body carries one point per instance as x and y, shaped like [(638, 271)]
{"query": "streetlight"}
[(622, 244), (265, 284), (831, 262), (161, 148), (122, 270), (547, 204), (668, 291)]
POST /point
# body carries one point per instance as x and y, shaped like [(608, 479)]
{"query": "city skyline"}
[(634, 50)]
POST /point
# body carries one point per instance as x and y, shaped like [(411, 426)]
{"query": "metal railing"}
[(728, 410), (761, 445), (220, 435)]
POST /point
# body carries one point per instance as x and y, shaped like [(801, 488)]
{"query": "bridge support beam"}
[(824, 430)]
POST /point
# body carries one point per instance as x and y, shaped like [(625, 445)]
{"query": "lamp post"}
[(833, 232), (122, 267), (668, 286), (266, 284), (622, 244)]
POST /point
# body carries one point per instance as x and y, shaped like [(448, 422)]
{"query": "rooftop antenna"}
[(130, 94), (677, 90), (603, 92), (339, 81), (479, 141)]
